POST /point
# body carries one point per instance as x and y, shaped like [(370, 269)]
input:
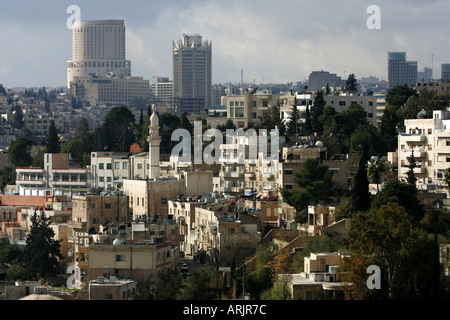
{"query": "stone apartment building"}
[(245, 109), (91, 211), (134, 260), (428, 141), (223, 233)]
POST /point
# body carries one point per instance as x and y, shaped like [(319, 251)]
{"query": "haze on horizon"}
[(272, 42)]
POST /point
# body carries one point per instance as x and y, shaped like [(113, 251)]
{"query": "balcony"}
[(417, 152), (30, 182), (250, 175), (230, 174), (413, 138)]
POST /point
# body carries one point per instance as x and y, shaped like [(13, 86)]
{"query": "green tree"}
[(402, 193), (366, 135), (410, 178), (203, 285), (7, 176), (338, 131), (447, 178), (292, 127), (42, 251), (360, 189), (229, 124), (315, 182), (387, 235), (389, 128), (164, 287), (20, 152), (81, 146), (271, 119), (375, 169), (117, 131), (18, 118), (317, 111), (351, 84), (53, 141), (397, 96)]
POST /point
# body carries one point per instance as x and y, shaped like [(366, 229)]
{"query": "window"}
[(107, 205), (101, 179), (116, 165), (334, 170), (101, 166), (253, 104), (108, 179), (164, 202), (342, 103), (265, 104), (287, 171), (120, 257), (125, 165), (139, 166), (108, 166)]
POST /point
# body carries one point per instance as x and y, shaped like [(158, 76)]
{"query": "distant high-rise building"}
[(98, 71), (321, 79), (98, 48), (425, 75), (445, 72), (192, 75), (400, 71)]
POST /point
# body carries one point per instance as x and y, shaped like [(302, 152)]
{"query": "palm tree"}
[(375, 169)]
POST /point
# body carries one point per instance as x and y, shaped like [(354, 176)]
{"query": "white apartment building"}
[(428, 140), (98, 48), (55, 178), (108, 170)]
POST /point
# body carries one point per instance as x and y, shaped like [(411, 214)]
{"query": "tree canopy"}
[(20, 152), (315, 182), (42, 251)]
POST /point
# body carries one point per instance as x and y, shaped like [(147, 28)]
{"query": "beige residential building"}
[(245, 109), (343, 101), (131, 261), (91, 211), (318, 281), (112, 289), (223, 233), (40, 125), (110, 89), (428, 141)]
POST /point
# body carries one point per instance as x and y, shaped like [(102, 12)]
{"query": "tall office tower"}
[(98, 48), (445, 72), (400, 71), (192, 78)]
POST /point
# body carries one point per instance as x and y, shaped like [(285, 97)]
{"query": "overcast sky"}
[(271, 41)]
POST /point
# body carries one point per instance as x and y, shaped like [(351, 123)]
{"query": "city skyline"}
[(270, 44)]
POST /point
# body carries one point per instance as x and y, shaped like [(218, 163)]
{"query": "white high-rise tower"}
[(154, 140), (98, 48)]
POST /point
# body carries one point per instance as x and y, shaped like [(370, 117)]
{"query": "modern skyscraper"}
[(400, 71), (445, 72), (98, 48), (192, 80)]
